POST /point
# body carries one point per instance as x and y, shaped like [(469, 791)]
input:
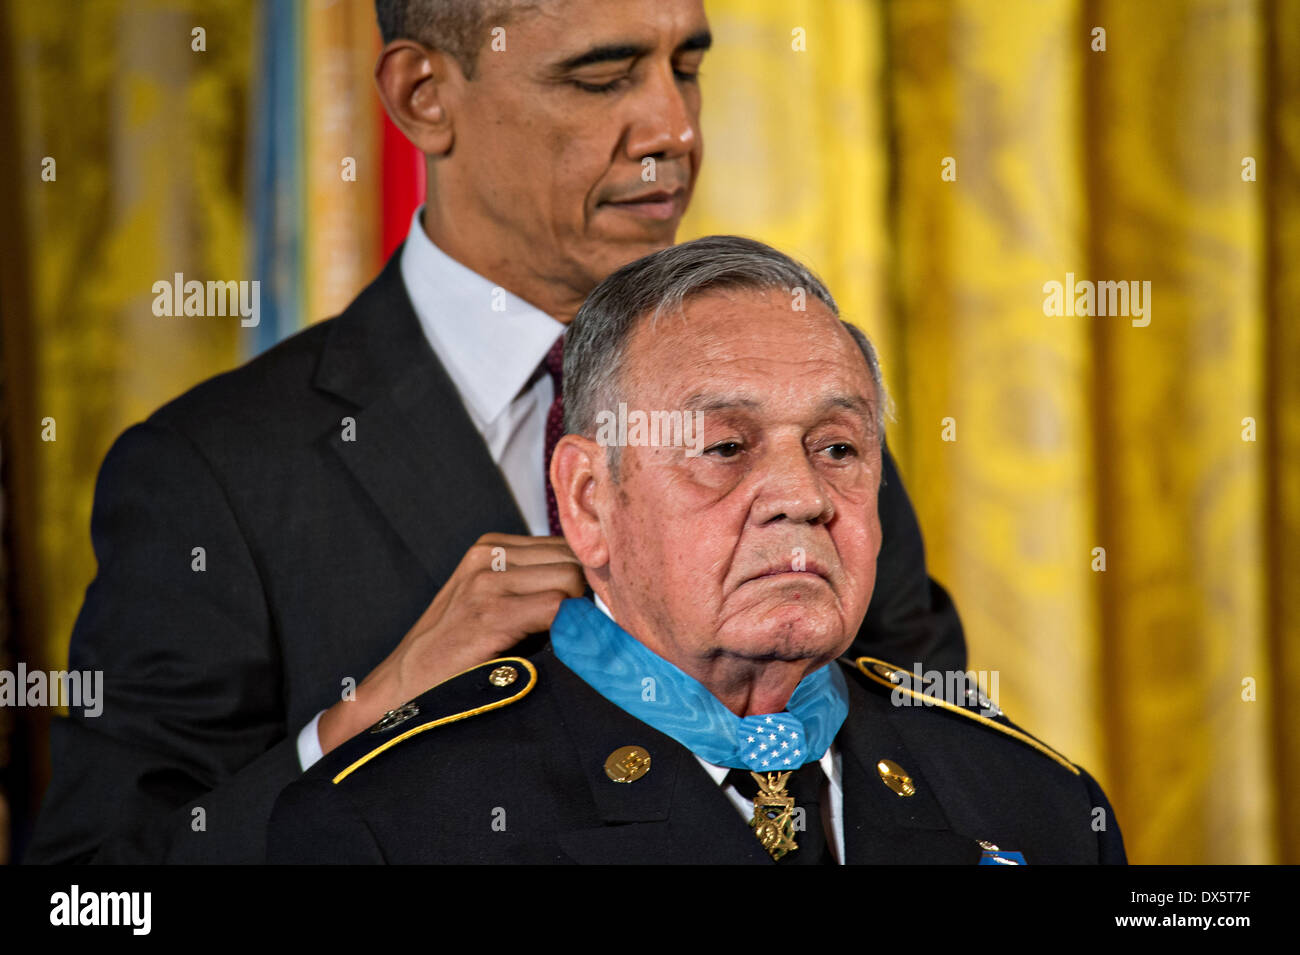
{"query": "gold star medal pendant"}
[(773, 820), (767, 743)]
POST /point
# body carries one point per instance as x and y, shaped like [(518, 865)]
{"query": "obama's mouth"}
[(657, 204)]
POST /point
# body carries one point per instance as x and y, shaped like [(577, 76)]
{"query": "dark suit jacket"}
[(525, 783), (320, 554)]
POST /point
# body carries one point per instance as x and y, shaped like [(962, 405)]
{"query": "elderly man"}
[(696, 710), (352, 490)]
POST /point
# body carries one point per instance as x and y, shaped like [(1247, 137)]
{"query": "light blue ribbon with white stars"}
[(628, 674)]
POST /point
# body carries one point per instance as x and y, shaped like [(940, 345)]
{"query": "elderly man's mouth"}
[(787, 573)]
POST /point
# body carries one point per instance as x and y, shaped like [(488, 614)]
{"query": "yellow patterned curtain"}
[(341, 162), (939, 163), (123, 159), (147, 143)]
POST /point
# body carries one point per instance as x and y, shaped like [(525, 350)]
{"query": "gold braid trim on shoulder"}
[(442, 721), (866, 666)]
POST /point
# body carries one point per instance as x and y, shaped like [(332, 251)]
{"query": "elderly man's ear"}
[(582, 484), (420, 88)]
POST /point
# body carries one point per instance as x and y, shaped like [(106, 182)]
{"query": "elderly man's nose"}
[(663, 123), (792, 490)]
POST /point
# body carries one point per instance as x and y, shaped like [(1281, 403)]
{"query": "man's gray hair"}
[(595, 345)]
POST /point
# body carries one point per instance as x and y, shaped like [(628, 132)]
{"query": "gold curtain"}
[(146, 136), (1165, 673), (341, 155)]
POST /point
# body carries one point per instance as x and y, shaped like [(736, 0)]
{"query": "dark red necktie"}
[(554, 362)]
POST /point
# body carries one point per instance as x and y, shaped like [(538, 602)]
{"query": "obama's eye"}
[(609, 87)]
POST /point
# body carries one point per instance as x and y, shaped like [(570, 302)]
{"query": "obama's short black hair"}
[(457, 27)]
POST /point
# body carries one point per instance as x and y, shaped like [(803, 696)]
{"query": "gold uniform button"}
[(503, 676), (627, 764), (893, 776)]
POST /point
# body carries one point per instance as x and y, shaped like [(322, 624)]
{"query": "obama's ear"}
[(420, 88), (581, 479)]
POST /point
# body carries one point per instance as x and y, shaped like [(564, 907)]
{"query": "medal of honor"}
[(773, 820), (771, 746)]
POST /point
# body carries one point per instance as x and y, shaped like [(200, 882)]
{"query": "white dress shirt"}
[(832, 803), (491, 344)]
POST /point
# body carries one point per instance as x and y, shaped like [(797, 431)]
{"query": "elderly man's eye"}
[(725, 449), (840, 451)]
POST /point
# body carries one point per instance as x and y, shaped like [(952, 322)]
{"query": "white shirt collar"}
[(455, 307)]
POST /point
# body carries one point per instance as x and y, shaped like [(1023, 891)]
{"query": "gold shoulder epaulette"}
[(900, 681), (488, 686)]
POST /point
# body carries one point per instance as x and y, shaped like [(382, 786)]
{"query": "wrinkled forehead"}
[(762, 343)]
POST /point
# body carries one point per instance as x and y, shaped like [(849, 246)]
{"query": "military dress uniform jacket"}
[(319, 553), (506, 764)]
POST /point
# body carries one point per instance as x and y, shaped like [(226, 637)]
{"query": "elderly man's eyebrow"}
[(852, 402), (859, 405), (715, 402), (614, 52)]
